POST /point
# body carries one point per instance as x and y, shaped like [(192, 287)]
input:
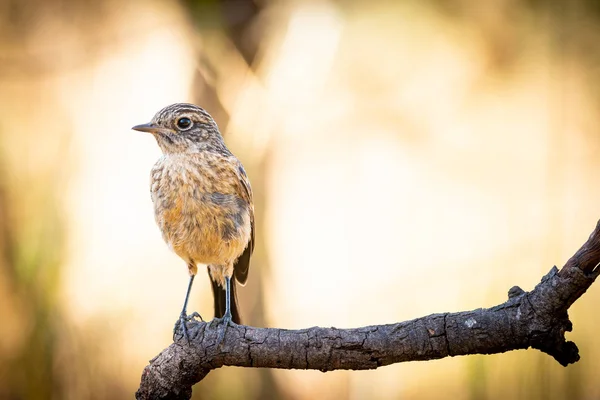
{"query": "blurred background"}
[(407, 158)]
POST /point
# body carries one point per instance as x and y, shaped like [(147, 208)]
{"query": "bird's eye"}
[(184, 123)]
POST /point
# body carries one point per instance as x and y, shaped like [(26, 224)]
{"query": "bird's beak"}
[(150, 127)]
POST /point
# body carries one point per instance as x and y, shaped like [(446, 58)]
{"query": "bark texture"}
[(536, 319)]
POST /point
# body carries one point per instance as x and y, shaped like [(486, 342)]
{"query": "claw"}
[(194, 315), (210, 323), (182, 321), (225, 321)]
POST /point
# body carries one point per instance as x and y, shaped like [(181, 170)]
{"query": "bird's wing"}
[(242, 264)]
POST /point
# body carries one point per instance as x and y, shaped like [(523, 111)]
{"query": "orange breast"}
[(200, 224)]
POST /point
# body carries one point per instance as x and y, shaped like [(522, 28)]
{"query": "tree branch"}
[(536, 319)]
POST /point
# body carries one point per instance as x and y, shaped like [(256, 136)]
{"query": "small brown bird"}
[(202, 204)]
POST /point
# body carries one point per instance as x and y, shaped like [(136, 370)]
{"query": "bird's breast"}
[(200, 218)]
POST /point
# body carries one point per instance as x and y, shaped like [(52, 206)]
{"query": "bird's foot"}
[(225, 322), (181, 323)]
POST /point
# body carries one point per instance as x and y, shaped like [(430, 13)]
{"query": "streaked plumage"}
[(202, 199)]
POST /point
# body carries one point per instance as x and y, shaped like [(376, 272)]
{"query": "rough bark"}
[(536, 319)]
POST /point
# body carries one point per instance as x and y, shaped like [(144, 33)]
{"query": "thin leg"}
[(227, 318), (183, 317), (227, 315), (187, 295)]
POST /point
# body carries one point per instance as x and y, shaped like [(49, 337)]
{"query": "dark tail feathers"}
[(219, 297)]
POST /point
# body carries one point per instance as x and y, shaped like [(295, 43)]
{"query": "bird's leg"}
[(183, 317), (226, 320), (227, 315)]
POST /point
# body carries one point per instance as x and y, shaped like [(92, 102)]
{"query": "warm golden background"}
[(407, 158)]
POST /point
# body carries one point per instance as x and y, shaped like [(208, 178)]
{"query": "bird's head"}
[(182, 128)]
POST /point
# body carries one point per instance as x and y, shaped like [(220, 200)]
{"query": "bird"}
[(203, 205)]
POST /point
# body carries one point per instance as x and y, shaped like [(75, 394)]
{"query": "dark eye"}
[(184, 123)]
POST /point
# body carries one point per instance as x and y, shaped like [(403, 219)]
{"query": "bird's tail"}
[(219, 297)]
